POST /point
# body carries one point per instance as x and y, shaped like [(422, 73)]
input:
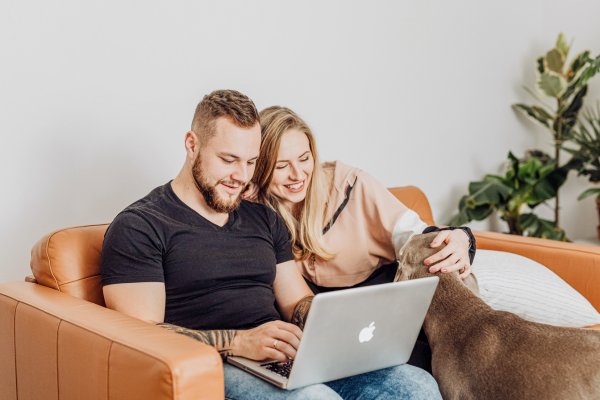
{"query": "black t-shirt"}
[(215, 277)]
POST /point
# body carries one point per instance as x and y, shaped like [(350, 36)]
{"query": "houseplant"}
[(586, 156), (527, 184), (567, 86)]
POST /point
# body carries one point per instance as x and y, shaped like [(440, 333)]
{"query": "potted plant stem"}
[(567, 86)]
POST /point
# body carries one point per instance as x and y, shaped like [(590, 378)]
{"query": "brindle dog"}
[(479, 353)]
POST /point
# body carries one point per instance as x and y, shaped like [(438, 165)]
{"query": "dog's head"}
[(414, 253)]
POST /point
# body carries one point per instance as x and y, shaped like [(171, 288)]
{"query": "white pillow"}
[(509, 282)]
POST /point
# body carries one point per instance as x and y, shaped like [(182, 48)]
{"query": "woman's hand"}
[(455, 255), (251, 191)]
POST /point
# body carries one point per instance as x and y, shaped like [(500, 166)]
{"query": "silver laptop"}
[(350, 332)]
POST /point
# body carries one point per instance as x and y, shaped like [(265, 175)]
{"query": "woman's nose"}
[(295, 172)]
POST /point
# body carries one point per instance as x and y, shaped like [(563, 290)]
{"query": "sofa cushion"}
[(513, 283), (68, 260)]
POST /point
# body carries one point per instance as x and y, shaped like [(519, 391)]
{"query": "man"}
[(194, 258)]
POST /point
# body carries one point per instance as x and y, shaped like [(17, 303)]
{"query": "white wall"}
[(95, 98)]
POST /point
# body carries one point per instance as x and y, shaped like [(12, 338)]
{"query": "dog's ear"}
[(399, 276), (472, 284)]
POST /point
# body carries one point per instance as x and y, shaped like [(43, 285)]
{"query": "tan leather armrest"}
[(30, 279), (576, 264), (93, 352)]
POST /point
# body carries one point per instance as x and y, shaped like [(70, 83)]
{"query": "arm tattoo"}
[(220, 340), (301, 311)]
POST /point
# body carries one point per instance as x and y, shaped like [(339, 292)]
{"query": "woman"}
[(347, 229)]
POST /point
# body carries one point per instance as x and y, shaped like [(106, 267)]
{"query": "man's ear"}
[(192, 144)]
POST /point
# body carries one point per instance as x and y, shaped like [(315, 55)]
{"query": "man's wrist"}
[(236, 344)]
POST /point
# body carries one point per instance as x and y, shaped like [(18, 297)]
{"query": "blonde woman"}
[(347, 229)]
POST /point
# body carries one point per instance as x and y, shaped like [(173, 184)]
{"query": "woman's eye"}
[(251, 162), (306, 159), (281, 167)]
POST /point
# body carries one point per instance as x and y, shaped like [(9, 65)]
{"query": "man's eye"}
[(227, 161)]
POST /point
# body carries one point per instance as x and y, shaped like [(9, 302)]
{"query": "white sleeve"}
[(408, 225)]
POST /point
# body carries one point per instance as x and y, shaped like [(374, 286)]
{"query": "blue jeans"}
[(401, 382)]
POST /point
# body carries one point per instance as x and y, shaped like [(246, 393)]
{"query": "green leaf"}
[(541, 228), (555, 234), (552, 84), (570, 113), (528, 111), (529, 169), (555, 60), (588, 193), (562, 44), (487, 192), (480, 213), (540, 113), (529, 222), (540, 65), (514, 162), (589, 72), (463, 216), (576, 66)]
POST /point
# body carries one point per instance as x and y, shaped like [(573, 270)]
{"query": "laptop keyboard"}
[(279, 368)]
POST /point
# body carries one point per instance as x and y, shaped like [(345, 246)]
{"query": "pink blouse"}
[(367, 234)]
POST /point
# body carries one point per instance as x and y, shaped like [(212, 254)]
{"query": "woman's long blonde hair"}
[(307, 233)]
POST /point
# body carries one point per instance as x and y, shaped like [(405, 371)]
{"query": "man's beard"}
[(210, 193)]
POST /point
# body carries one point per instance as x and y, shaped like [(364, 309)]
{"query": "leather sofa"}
[(58, 341)]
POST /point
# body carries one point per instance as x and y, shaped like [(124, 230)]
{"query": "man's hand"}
[(276, 339), (455, 255)]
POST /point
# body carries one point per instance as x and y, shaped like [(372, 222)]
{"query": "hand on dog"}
[(455, 254)]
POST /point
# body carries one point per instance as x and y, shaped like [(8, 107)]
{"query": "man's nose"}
[(242, 173)]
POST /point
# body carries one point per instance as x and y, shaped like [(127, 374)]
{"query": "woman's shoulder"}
[(340, 174), (343, 175)]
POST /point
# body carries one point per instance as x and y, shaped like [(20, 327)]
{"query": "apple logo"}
[(366, 334)]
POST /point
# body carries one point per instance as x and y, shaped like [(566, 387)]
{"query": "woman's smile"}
[(296, 187)]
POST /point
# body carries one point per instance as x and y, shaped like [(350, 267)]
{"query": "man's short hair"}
[(238, 108)]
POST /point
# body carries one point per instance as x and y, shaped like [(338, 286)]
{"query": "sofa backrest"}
[(414, 198), (68, 260)]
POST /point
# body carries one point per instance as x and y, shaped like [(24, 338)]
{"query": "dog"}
[(480, 353)]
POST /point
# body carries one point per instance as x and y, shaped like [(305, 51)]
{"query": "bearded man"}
[(194, 258)]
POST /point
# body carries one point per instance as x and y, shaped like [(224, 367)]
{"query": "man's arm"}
[(222, 340), (146, 301), (292, 294)]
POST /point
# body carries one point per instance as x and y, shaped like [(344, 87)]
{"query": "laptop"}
[(350, 332)]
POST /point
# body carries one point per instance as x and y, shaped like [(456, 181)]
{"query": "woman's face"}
[(293, 169)]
